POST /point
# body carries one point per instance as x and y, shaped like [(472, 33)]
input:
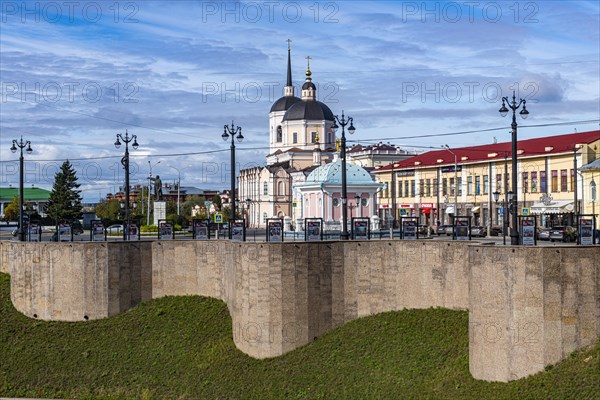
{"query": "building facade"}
[(550, 184), (301, 138), (34, 198)]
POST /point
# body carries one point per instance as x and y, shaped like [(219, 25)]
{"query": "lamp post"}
[(358, 206), (514, 106), (248, 203), (150, 187), (455, 179), (125, 162), (178, 188), (235, 133), (27, 146), (343, 122)]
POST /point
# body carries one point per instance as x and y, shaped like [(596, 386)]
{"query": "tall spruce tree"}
[(64, 204)]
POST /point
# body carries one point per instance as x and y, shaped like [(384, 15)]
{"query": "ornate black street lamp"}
[(514, 106), (125, 162), (234, 132), (21, 145), (343, 122), (508, 196)]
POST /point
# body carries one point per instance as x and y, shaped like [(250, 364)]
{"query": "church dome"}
[(311, 110), (284, 103), (332, 174)]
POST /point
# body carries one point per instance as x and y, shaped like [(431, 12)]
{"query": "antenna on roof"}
[(495, 140)]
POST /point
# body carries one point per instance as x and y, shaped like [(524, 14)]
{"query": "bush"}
[(149, 228)]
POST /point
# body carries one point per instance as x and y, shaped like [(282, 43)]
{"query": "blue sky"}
[(74, 74)]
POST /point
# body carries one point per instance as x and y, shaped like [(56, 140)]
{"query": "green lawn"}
[(181, 347)]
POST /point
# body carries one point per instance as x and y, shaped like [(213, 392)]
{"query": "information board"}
[(462, 228), (313, 230), (586, 231), (134, 232), (360, 228), (165, 230), (200, 229), (528, 232), (274, 230), (238, 231), (97, 232), (409, 228)]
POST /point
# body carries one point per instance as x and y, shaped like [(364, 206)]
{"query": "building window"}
[(314, 138), (422, 187), (295, 137), (477, 185), (525, 182), (265, 217), (412, 188), (572, 180), (265, 187), (428, 187), (436, 187), (452, 186), (279, 134), (329, 138), (460, 186), (469, 185), (486, 184), (499, 182), (406, 189), (280, 189), (563, 180), (554, 187), (543, 182), (444, 186), (399, 188), (534, 182)]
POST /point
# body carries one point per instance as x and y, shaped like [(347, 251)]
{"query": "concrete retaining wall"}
[(528, 307), (77, 281)]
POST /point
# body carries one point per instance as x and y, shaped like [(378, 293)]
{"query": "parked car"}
[(495, 231), (563, 234), (543, 234), (425, 230), (77, 228), (478, 231), (449, 230), (116, 228), (441, 229)]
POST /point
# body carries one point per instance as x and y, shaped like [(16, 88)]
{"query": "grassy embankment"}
[(181, 347)]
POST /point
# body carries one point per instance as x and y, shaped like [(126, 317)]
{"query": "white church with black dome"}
[(301, 139)]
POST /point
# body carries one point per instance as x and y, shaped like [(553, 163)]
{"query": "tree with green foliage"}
[(64, 204), (218, 202), (108, 210), (190, 202), (11, 211)]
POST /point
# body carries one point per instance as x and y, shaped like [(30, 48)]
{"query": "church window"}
[(280, 189), (265, 188), (314, 138), (329, 138), (279, 134), (295, 137)]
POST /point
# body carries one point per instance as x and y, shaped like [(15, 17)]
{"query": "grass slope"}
[(182, 347)]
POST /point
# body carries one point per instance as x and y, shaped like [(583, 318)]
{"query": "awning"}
[(476, 209), (450, 210), (555, 207)]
